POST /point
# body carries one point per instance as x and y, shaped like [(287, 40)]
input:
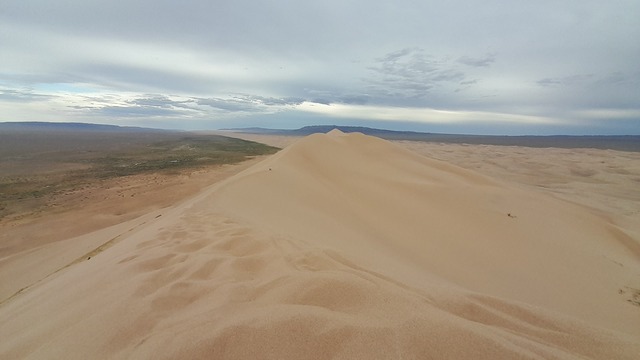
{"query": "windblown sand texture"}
[(343, 246)]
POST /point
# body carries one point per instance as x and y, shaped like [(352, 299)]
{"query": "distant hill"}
[(612, 142)]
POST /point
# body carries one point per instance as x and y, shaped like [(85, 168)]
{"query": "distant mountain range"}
[(612, 142)]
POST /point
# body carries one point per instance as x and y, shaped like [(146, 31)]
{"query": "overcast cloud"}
[(503, 67)]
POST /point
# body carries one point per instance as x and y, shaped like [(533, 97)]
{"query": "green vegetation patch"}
[(187, 152), (47, 175)]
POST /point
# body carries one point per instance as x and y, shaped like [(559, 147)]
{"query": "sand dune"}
[(345, 246)]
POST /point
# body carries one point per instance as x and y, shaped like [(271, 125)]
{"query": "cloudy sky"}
[(496, 67)]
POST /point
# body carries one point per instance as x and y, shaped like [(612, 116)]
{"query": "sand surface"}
[(54, 236), (347, 246)]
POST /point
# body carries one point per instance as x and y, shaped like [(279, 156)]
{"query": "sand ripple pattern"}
[(236, 293)]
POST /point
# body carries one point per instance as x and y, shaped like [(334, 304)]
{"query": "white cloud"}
[(420, 115), (608, 114)]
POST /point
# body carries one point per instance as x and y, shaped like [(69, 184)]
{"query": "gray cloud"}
[(359, 99), (416, 69), (469, 82), (413, 73), (229, 104), (620, 78), (136, 111), (160, 101), (152, 106), (125, 76), (208, 59), (22, 96), (248, 103), (571, 80), (585, 91), (270, 101), (478, 62)]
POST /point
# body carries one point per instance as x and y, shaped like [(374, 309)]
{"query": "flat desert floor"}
[(347, 246)]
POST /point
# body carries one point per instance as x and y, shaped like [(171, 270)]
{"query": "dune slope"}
[(345, 246)]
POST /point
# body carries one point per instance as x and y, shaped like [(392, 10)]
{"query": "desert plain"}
[(338, 246)]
